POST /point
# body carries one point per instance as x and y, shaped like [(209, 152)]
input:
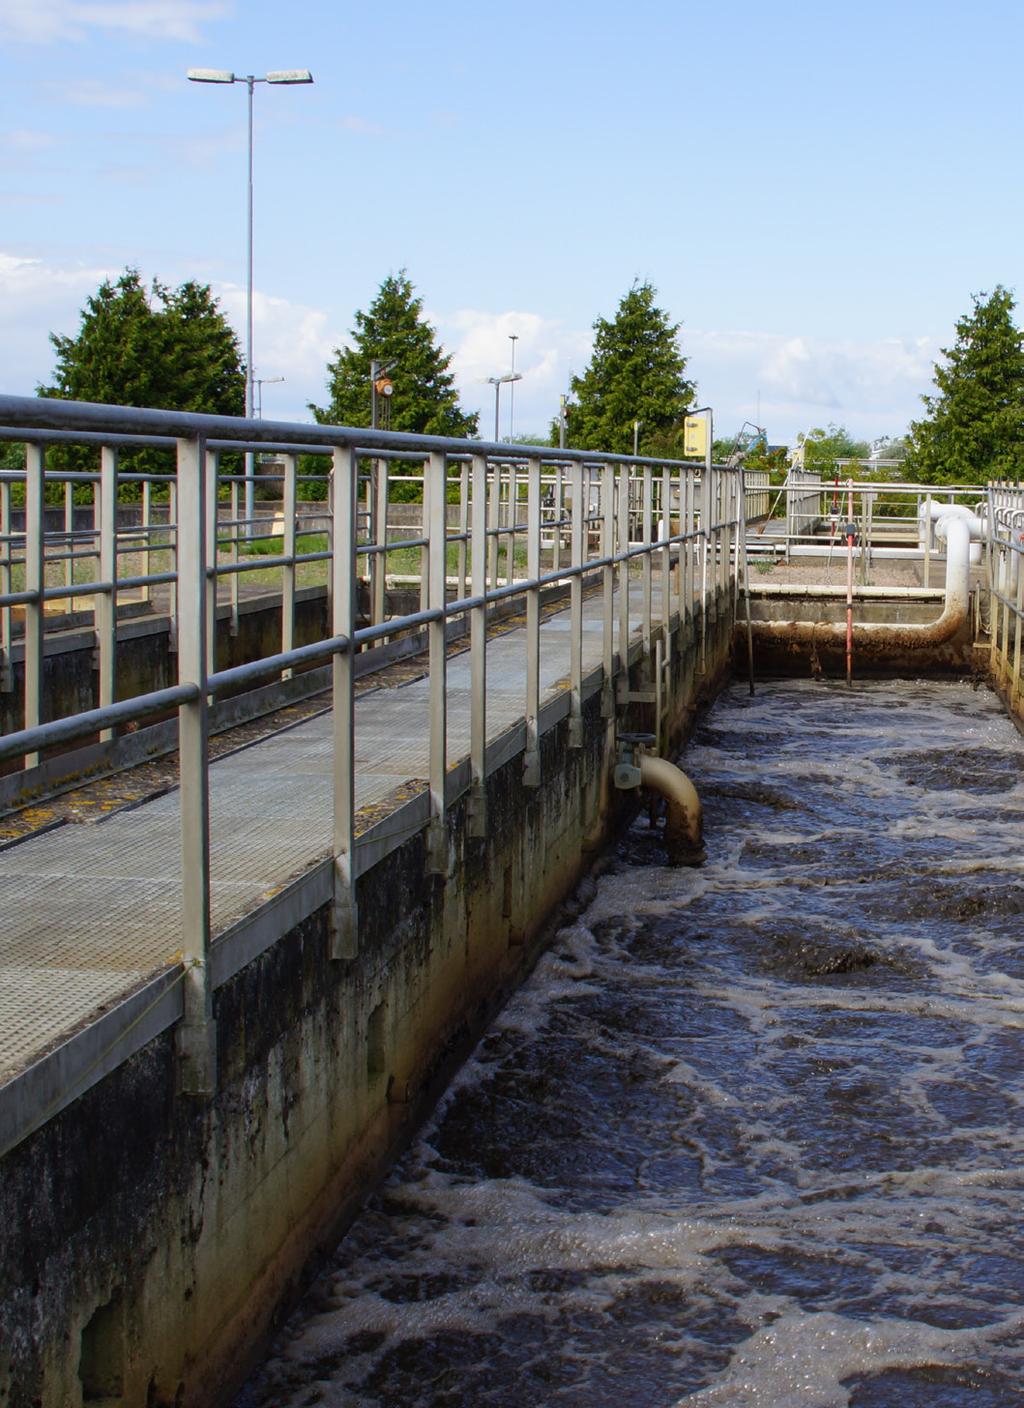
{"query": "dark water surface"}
[(752, 1134)]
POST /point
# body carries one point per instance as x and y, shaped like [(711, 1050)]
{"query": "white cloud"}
[(290, 340), (36, 299), (50, 21), (25, 142), (871, 386), (546, 354)]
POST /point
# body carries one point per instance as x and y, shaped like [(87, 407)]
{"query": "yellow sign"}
[(695, 437)]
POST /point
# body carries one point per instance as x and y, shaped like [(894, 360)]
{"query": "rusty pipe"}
[(684, 816), (956, 530)]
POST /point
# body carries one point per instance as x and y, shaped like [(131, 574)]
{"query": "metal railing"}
[(1005, 547), (498, 523)]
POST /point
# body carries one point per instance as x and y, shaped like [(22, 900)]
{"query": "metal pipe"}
[(684, 816)]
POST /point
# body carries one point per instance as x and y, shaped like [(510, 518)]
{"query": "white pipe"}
[(939, 511), (956, 530), (684, 818)]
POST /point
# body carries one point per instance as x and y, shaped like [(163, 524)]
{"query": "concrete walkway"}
[(92, 910)]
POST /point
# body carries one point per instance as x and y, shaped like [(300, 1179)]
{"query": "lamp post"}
[(260, 382), (513, 337), (380, 385), (279, 76), (498, 382)]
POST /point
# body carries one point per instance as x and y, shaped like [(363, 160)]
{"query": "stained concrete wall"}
[(147, 1239)]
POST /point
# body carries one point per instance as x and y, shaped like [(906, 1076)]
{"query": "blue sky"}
[(815, 191)]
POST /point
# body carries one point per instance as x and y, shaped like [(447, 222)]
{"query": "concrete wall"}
[(148, 1239)]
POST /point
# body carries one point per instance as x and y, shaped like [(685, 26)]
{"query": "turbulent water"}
[(752, 1134)]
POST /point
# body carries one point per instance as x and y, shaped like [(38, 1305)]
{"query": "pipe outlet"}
[(684, 815)]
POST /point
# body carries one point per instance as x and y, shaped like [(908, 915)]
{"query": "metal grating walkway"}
[(92, 910)]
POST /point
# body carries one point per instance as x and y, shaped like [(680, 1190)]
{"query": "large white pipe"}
[(939, 511), (955, 530), (684, 816)]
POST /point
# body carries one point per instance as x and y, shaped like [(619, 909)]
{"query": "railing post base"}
[(344, 918), (575, 732), (531, 768), (196, 1044), (437, 848), (476, 812)]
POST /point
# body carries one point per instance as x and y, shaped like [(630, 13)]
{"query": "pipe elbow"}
[(684, 819)]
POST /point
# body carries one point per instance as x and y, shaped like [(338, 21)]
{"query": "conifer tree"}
[(636, 373), (170, 349), (393, 331), (974, 429)]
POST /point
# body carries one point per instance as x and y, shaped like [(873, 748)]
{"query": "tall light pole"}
[(281, 76), (498, 382), (513, 337)]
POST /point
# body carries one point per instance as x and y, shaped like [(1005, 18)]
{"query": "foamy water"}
[(752, 1134)]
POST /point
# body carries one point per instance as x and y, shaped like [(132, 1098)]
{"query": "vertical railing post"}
[(69, 539), (105, 603), (344, 506), (607, 588), (288, 572), (147, 529), (706, 519), (234, 578), (494, 522), (378, 573), (436, 471), (212, 464), (531, 760), (687, 492), (927, 539), (35, 581), (6, 556), (624, 477), (577, 556), (197, 1034), (647, 531), (478, 651), (1018, 574), (666, 561), (428, 489), (173, 536), (556, 499), (462, 551)]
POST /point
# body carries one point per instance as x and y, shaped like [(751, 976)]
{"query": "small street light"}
[(498, 382), (260, 382), (280, 76), (380, 385), (513, 337)]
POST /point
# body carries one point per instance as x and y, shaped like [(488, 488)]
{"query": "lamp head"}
[(210, 75), (290, 75)]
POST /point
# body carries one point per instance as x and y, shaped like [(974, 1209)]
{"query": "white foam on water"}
[(766, 1115)]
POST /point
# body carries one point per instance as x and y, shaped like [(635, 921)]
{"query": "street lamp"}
[(260, 382), (280, 76), (498, 382), (513, 337), (380, 385)]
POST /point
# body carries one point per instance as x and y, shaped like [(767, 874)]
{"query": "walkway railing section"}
[(497, 523), (1006, 587)]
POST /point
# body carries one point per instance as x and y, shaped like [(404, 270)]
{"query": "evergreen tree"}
[(393, 331), (974, 429), (635, 374), (170, 350)]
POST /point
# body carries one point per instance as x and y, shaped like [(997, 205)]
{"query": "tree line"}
[(174, 349)]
